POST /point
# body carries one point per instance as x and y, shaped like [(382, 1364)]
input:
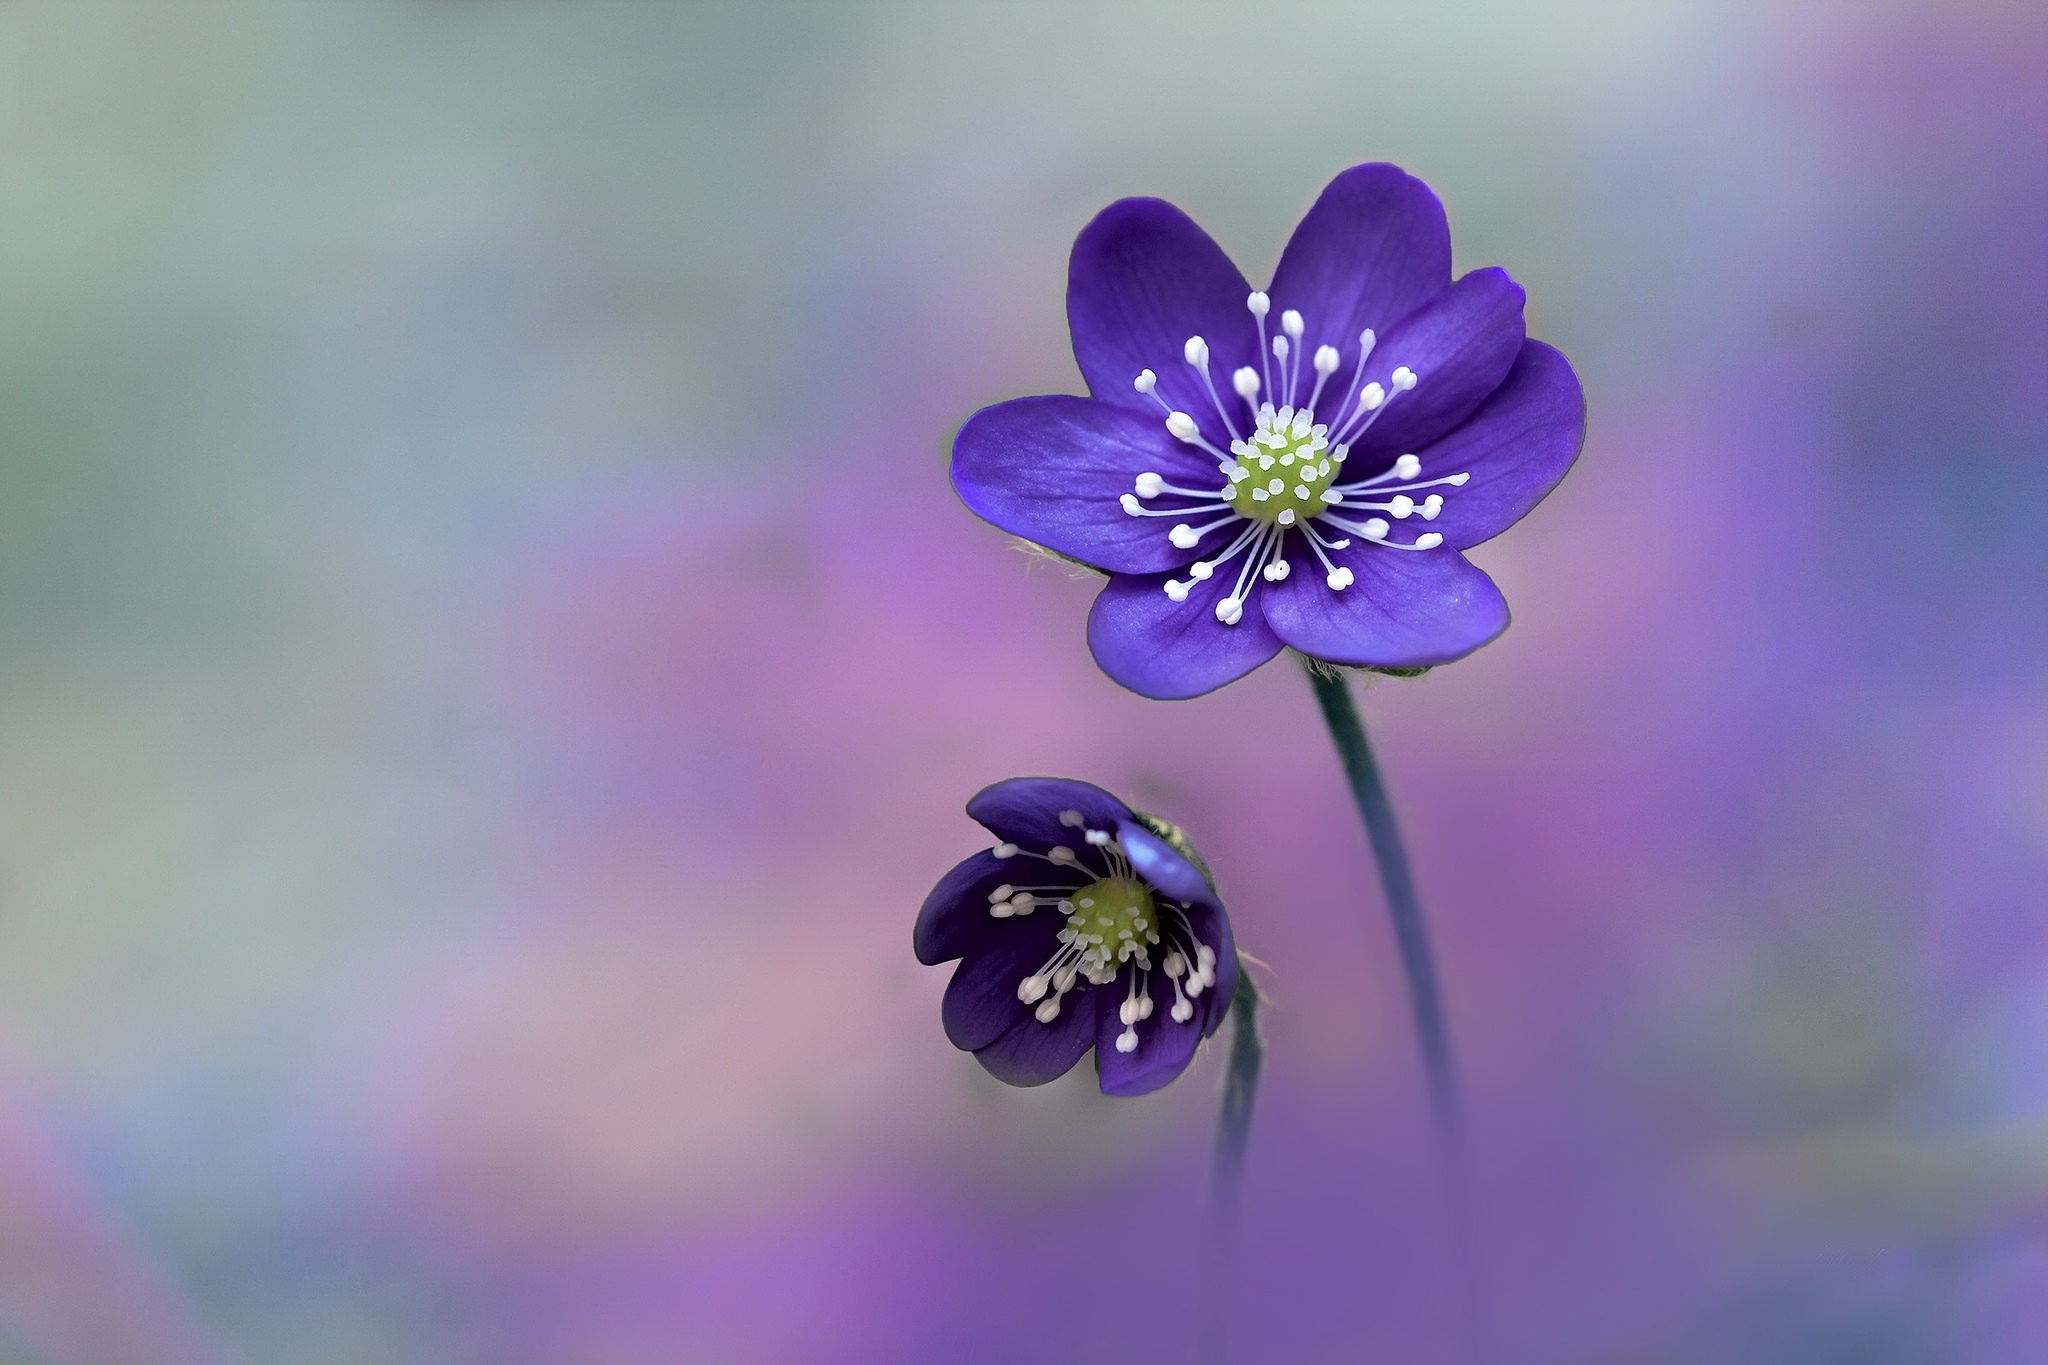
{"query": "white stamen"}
[(1275, 571), (1072, 819), (1201, 569), (1031, 989), (1407, 467), (1371, 396), (1097, 837), (1048, 1011), (1004, 850), (1404, 378), (1183, 427), (1177, 590), (1145, 382), (1325, 361), (1130, 505), (1246, 382), (1060, 853), (1127, 1041), (1338, 579), (1196, 350), (1184, 537), (1428, 540), (1402, 507), (1291, 323), (1002, 893), (1229, 611), (1182, 1011), (1258, 303), (1150, 485)]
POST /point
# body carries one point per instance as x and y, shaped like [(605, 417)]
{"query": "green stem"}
[(1425, 993), (1233, 1134)]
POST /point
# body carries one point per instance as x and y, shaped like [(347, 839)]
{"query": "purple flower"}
[(1247, 485), (1087, 925)]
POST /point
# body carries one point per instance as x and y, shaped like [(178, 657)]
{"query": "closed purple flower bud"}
[(1088, 925), (1319, 497)]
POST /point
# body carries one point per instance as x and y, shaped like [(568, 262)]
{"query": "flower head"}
[(1087, 925), (1299, 465)]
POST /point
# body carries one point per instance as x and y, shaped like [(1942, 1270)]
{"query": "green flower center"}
[(1112, 921), (1279, 473)]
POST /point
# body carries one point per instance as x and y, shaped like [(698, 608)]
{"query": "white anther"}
[(1339, 579), (1182, 1011), (1096, 837), (1176, 590), (1001, 910), (1031, 989), (1403, 378), (1127, 1041), (1145, 382), (1127, 1013), (1201, 569), (1023, 903), (1196, 350), (1060, 853), (1291, 323), (1048, 1011), (1402, 506), (1326, 360), (1184, 537), (1130, 505), (1366, 339), (1458, 480), (1144, 1008), (1229, 611), (1428, 540), (1072, 819), (1432, 505), (1196, 982), (1280, 348), (1150, 485), (1259, 304), (1002, 893), (1286, 518), (1275, 571), (1376, 528), (1004, 850), (1183, 427), (1371, 396), (1174, 965), (1246, 382), (1407, 467)]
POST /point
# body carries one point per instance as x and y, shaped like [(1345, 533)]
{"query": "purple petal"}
[(1169, 650), (955, 915), (1516, 447), (1027, 810), (1144, 278), (1162, 866), (1460, 347), (1164, 1047), (981, 1003), (1212, 926), (1373, 249), (1054, 470), (1404, 609), (1032, 1053)]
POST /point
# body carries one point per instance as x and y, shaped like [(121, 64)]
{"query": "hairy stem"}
[(1425, 993), (1233, 1134)]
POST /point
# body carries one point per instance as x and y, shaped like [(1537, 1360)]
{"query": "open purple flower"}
[(1392, 419), (1085, 926)]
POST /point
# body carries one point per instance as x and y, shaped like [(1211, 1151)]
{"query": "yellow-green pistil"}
[(1280, 474), (1114, 919)]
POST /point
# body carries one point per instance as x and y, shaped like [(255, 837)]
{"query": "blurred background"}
[(490, 665)]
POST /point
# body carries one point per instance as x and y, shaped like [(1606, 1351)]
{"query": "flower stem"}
[(1425, 994), (1233, 1134)]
